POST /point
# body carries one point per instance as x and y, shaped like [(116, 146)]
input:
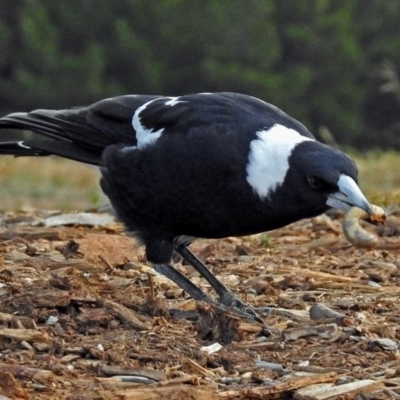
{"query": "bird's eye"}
[(314, 183)]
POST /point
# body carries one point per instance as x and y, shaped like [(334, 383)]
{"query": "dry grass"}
[(48, 183), (54, 183), (380, 176)]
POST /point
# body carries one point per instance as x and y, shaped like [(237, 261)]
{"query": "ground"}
[(83, 316), (80, 308)]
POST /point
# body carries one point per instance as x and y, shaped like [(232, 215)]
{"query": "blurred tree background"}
[(332, 64)]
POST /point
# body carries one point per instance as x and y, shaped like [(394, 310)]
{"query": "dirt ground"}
[(83, 317)]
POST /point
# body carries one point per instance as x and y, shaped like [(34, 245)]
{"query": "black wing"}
[(79, 133), (83, 133), (226, 111)]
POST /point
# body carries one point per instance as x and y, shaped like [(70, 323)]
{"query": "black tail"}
[(34, 121), (49, 147), (80, 133), (58, 132)]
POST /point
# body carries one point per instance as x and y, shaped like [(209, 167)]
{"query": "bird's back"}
[(83, 133)]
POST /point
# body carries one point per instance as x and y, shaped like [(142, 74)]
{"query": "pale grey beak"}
[(349, 195)]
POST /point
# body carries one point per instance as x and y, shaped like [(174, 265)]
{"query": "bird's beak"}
[(348, 195)]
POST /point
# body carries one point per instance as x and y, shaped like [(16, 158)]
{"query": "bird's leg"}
[(188, 286), (191, 289), (226, 296)]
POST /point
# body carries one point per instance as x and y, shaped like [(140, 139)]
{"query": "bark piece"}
[(29, 335), (126, 315), (22, 372), (112, 370)]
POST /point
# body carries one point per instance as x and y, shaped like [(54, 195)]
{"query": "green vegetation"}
[(329, 63), (266, 241)]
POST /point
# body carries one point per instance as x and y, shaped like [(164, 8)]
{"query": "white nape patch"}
[(174, 101), (144, 136), (21, 144), (269, 158)]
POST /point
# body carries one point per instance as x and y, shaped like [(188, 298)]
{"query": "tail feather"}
[(64, 138), (46, 147), (19, 149), (25, 121), (80, 133), (50, 123)]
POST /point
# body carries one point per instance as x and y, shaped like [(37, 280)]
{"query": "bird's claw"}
[(231, 301)]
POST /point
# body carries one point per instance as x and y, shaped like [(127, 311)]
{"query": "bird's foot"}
[(228, 299)]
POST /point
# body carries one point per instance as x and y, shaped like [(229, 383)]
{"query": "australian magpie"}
[(206, 165)]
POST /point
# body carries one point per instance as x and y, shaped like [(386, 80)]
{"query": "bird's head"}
[(300, 176), (328, 176)]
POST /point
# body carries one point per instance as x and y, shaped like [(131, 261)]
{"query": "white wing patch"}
[(174, 101), (147, 136), (144, 136), (269, 158)]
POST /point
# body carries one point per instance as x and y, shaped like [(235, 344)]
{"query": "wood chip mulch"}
[(83, 317)]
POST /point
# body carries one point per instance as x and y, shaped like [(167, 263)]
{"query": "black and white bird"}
[(206, 165)]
